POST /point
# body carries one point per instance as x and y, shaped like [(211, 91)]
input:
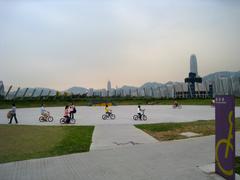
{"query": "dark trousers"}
[(140, 115), (15, 118), (67, 119), (72, 115)]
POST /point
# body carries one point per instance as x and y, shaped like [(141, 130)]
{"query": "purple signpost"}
[(225, 136)]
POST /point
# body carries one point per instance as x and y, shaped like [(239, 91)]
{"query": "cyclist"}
[(72, 110), (213, 102), (107, 110), (44, 112), (175, 104), (66, 114), (140, 112)]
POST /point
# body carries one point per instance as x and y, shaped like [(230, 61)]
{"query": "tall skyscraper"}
[(193, 64), (109, 87), (193, 76)]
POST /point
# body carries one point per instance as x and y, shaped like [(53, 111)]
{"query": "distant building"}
[(103, 93), (1, 88), (193, 77), (109, 86), (112, 92), (193, 64), (90, 92)]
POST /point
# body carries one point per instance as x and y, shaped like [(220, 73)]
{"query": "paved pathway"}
[(171, 160), (114, 136), (92, 115)]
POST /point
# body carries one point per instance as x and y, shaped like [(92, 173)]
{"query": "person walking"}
[(13, 114)]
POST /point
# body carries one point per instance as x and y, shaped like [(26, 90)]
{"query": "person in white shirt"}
[(13, 114), (213, 102), (140, 112), (44, 112)]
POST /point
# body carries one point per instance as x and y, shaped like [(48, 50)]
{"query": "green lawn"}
[(87, 101), (171, 131), (19, 142), (237, 161)]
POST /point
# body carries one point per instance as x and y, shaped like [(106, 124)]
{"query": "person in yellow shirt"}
[(107, 110)]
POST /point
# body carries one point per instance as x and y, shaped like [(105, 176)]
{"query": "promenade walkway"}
[(115, 136), (171, 160)]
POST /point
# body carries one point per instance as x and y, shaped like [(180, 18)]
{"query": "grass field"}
[(19, 142), (237, 161), (172, 131), (85, 101)]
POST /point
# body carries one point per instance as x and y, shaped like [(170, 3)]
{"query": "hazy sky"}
[(64, 43)]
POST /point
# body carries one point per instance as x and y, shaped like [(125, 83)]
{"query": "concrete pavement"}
[(93, 115), (114, 136), (171, 160)]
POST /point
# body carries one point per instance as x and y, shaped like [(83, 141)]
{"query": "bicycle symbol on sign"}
[(229, 146)]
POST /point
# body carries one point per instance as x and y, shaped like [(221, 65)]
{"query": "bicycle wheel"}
[(50, 119), (112, 116), (144, 117), (41, 119), (62, 121), (135, 117), (72, 121), (104, 117), (179, 106)]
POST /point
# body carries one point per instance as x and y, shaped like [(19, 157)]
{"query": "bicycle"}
[(108, 115), (228, 144), (63, 120), (179, 106), (143, 117), (46, 118)]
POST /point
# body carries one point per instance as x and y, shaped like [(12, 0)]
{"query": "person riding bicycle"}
[(140, 112), (175, 104), (66, 114), (213, 102), (72, 110), (44, 112), (107, 110)]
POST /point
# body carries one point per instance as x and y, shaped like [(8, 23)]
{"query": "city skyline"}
[(60, 44)]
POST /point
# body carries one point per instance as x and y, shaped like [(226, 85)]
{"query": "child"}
[(139, 112), (44, 113), (66, 114), (107, 110), (13, 114)]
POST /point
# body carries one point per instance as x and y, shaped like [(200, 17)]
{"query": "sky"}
[(63, 43)]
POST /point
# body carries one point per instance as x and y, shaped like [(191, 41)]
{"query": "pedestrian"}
[(13, 114)]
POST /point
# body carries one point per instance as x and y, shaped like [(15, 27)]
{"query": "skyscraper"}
[(109, 87), (193, 77), (193, 64)]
